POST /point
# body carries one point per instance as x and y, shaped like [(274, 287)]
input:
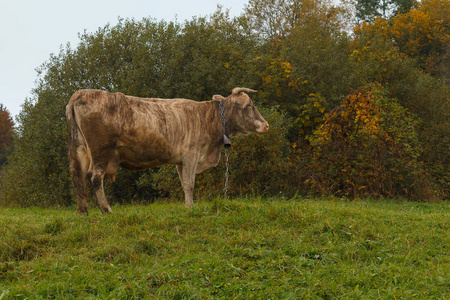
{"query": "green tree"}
[(6, 133), (304, 56), (275, 19), (368, 10)]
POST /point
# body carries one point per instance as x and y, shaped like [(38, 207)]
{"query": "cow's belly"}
[(132, 165), (140, 156)]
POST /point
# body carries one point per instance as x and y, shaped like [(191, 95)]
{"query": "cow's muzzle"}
[(262, 126)]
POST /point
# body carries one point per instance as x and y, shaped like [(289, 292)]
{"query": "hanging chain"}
[(226, 139), (226, 173), (227, 145)]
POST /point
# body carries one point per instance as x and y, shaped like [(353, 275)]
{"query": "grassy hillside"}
[(239, 249)]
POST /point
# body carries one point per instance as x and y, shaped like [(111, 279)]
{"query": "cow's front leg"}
[(186, 172)]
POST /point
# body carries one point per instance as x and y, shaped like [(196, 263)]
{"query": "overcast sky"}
[(30, 30)]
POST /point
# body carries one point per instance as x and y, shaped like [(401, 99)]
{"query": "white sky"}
[(30, 30)]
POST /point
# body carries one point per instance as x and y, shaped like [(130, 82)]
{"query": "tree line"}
[(357, 100)]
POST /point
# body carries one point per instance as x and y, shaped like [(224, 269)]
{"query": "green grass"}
[(238, 249)]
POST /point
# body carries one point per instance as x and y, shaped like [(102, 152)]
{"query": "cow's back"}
[(128, 113)]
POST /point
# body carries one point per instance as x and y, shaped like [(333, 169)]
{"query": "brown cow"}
[(108, 130)]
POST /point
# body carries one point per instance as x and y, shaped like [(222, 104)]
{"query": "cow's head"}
[(241, 115)]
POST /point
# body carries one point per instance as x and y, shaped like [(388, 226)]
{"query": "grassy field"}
[(237, 249)]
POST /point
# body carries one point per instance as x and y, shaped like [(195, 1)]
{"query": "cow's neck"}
[(230, 113)]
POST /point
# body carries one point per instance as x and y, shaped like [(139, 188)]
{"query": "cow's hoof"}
[(82, 211), (106, 210)]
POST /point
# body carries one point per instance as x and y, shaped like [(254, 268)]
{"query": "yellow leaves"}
[(317, 120), (317, 104), (421, 33), (297, 83), (267, 79), (311, 113), (358, 116), (279, 76), (286, 66)]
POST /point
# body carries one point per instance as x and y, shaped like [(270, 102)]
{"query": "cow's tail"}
[(79, 152)]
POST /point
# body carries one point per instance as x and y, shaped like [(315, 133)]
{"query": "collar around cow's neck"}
[(226, 139)]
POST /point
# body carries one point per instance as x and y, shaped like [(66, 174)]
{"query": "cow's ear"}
[(242, 100), (218, 97)]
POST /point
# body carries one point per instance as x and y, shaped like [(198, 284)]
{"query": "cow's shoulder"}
[(93, 94), (93, 97)]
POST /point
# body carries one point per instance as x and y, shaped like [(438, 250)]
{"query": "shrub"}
[(369, 146)]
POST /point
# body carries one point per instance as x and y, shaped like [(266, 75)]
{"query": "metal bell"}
[(226, 141)]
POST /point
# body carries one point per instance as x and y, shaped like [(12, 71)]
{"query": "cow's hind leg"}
[(98, 175), (79, 163)]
